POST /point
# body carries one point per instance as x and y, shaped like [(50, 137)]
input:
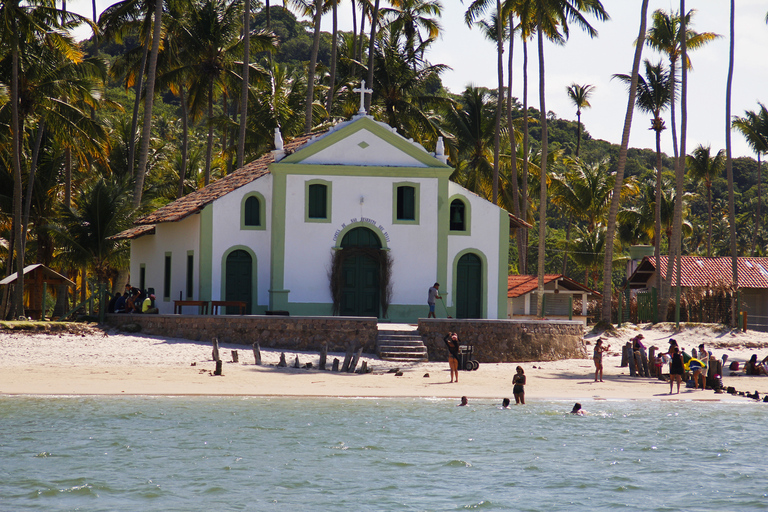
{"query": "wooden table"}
[(202, 304), (224, 303)]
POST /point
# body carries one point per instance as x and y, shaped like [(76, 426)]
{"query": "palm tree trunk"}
[(615, 198), (524, 194), (334, 53), (543, 170), (246, 82), (311, 70), (567, 243), (729, 162), (371, 47), (513, 141), (31, 184), (209, 148), (680, 167), (17, 192), (578, 135), (759, 200), (657, 223), (709, 219), (354, 32), (148, 104), (138, 86), (67, 177), (499, 99), (184, 141)]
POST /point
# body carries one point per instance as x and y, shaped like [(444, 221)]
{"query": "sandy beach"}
[(114, 363)]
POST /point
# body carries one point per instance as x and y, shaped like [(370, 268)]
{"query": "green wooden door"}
[(469, 287), (239, 277), (360, 275)]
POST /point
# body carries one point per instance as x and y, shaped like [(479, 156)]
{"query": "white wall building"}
[(355, 221)]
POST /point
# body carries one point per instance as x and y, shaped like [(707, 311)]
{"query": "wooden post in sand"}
[(218, 367), (235, 357), (652, 361), (323, 356), (625, 351), (347, 360), (215, 353), (355, 359), (296, 363), (335, 364), (282, 363), (257, 353)]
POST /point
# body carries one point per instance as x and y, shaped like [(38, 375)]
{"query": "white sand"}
[(150, 365)]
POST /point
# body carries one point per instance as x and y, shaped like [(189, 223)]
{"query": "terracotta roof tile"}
[(134, 232), (698, 271), (196, 201), (518, 286)]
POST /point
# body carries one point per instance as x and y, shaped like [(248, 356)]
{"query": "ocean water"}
[(220, 454)]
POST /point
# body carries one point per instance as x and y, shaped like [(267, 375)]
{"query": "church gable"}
[(363, 142)]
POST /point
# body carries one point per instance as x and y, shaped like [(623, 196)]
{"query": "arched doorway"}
[(360, 273), (238, 279), (469, 287)]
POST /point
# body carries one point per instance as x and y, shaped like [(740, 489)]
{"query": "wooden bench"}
[(202, 304), (225, 303)]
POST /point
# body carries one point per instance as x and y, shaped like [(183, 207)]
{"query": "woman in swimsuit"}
[(452, 342), (676, 369), (518, 390), (598, 358)]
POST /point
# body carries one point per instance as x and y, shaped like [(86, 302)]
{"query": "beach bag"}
[(734, 366)]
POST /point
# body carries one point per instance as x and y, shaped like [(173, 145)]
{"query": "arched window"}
[(252, 212), (317, 202), (458, 220)]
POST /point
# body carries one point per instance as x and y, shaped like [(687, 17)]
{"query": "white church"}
[(354, 221)]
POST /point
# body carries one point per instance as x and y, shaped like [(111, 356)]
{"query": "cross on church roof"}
[(363, 91)]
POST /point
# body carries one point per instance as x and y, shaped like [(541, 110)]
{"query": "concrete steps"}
[(401, 345)]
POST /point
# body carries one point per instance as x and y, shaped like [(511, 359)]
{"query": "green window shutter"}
[(406, 203), (251, 212), (167, 277), (317, 201)]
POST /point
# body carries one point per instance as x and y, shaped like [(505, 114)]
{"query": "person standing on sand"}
[(434, 294), (598, 358), (519, 386), (676, 369), (452, 342)]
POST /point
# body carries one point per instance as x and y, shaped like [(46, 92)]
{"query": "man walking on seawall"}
[(434, 294)]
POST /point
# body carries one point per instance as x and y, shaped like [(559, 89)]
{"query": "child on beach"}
[(598, 358)]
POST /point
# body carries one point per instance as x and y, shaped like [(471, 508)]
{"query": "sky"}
[(583, 60)]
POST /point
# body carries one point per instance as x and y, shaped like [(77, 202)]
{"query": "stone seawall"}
[(500, 341), (281, 332)]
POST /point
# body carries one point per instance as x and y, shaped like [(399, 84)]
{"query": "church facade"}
[(354, 221)]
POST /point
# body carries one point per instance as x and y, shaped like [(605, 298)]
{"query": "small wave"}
[(457, 464)]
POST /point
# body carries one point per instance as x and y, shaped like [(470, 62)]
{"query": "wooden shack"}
[(35, 276)]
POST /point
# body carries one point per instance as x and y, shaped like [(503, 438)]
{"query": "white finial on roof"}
[(440, 151), (363, 91), (279, 152)]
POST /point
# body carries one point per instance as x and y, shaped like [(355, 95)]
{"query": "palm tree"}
[(408, 17), (579, 96), (754, 127), (615, 198), (246, 82), (705, 167), (653, 96)]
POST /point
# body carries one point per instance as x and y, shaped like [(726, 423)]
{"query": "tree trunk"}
[(524, 194), (680, 167), (615, 197), (729, 162), (18, 301), (245, 85), (354, 33), (513, 142), (657, 227), (499, 99), (371, 46), (148, 104), (334, 52), (138, 86), (543, 171), (31, 185), (209, 148), (759, 200), (709, 219), (184, 141), (311, 70)]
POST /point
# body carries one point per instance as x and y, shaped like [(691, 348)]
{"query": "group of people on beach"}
[(134, 300)]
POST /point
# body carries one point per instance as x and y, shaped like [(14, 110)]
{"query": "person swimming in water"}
[(578, 410)]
